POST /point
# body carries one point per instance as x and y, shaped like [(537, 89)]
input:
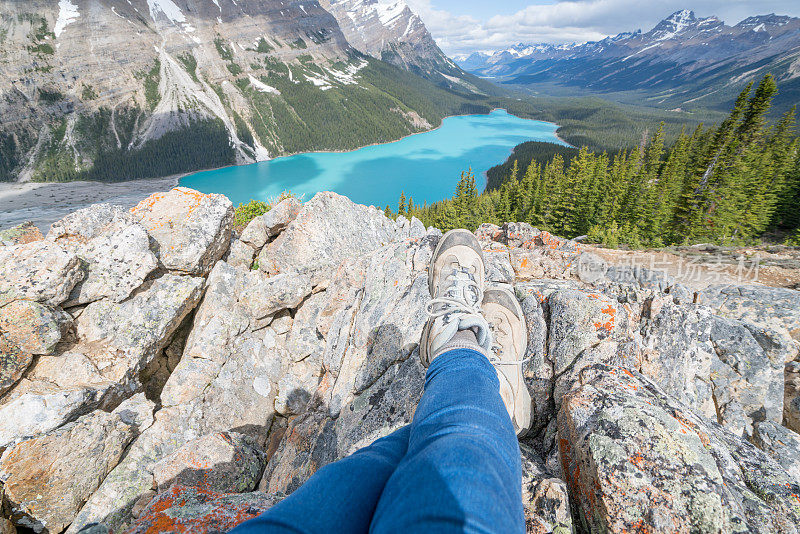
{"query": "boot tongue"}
[(478, 324)]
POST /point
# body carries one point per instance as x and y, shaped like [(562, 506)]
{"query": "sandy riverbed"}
[(44, 203)]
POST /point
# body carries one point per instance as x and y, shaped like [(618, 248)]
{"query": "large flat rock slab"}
[(192, 230)]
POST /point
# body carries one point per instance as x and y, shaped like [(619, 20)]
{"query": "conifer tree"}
[(401, 205)]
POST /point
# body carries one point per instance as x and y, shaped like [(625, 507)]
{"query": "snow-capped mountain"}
[(391, 32), (686, 60)]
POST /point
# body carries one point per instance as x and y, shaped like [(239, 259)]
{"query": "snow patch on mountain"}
[(67, 13), (388, 13), (261, 86), (168, 9)]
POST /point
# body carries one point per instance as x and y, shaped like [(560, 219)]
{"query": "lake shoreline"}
[(46, 202), (425, 168), (378, 143)]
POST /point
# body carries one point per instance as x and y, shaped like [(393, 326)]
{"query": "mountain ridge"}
[(683, 61), (93, 85)]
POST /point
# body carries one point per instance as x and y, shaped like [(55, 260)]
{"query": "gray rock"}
[(328, 229), (264, 296), (652, 462), (791, 398), (780, 443), (189, 509), (40, 271), (133, 332), (48, 478), (192, 230), (116, 263), (272, 223), (678, 354), (13, 362), (304, 338), (315, 439), (742, 373), (539, 368), (34, 328), (226, 462), (240, 255), (772, 307), (498, 266), (116, 341), (544, 497), (394, 278), (640, 277), (21, 234), (591, 268), (297, 385), (413, 228), (226, 380), (585, 328), (488, 232), (82, 226), (35, 407), (517, 234)]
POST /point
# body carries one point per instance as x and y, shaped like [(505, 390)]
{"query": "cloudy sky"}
[(462, 26)]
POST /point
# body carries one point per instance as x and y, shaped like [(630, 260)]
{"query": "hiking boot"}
[(507, 322), (455, 281)]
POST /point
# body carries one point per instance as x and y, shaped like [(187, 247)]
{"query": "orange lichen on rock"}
[(190, 509)]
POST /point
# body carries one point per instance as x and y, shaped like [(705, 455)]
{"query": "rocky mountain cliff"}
[(162, 372), (684, 61), (156, 87), (391, 32)]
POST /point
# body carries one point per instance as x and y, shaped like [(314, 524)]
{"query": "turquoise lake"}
[(424, 166)]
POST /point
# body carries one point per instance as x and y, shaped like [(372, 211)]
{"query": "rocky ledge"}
[(160, 373)]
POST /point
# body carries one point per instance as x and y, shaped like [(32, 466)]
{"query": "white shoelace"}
[(497, 349), (460, 278)]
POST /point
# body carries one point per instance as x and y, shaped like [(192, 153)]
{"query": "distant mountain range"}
[(683, 62), (122, 89)]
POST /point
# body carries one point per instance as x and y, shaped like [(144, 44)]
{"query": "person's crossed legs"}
[(456, 468)]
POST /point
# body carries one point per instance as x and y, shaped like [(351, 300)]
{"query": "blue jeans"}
[(455, 468)]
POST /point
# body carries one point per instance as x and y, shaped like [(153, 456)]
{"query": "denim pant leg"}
[(462, 471), (339, 498)]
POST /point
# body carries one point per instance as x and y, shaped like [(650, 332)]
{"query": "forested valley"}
[(734, 183)]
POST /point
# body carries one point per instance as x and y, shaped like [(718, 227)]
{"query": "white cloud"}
[(576, 20)]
